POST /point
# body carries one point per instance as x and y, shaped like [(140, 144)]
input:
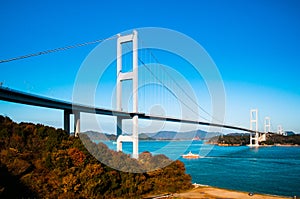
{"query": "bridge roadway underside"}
[(69, 108)]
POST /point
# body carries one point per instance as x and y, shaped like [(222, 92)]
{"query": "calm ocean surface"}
[(272, 170)]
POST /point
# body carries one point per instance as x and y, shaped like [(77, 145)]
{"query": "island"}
[(243, 139)]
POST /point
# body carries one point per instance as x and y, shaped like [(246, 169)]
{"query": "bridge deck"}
[(15, 96)]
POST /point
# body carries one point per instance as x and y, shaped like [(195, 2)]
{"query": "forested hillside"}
[(37, 161), (273, 139)]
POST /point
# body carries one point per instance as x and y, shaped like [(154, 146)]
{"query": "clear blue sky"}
[(255, 45)]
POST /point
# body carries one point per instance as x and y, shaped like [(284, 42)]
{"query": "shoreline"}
[(209, 192)]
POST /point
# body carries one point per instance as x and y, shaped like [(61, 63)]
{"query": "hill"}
[(275, 139), (289, 133), (37, 161), (233, 139), (93, 135)]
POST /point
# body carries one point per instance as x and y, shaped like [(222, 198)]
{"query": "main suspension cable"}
[(56, 50)]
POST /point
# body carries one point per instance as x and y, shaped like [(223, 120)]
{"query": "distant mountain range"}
[(161, 135), (94, 135), (172, 135), (168, 135)]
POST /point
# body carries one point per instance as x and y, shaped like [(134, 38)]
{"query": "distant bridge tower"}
[(280, 130), (254, 127), (267, 124), (267, 129), (123, 76)]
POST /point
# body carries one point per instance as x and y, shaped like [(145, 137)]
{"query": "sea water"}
[(271, 170)]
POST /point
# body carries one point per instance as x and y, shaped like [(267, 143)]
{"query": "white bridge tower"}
[(280, 130), (267, 129), (123, 76), (267, 125), (254, 127)]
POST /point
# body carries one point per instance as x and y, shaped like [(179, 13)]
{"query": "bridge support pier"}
[(67, 125), (119, 126), (133, 138), (76, 123), (67, 121)]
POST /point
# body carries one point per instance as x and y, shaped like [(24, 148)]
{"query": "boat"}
[(196, 138), (190, 155)]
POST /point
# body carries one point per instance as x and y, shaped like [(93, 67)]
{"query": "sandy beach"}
[(212, 192)]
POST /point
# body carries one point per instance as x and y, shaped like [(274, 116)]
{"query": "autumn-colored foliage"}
[(77, 156), (37, 161)]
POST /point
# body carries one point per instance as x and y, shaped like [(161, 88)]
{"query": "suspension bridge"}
[(69, 108)]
